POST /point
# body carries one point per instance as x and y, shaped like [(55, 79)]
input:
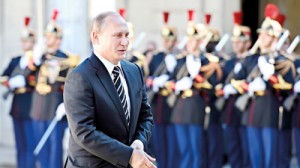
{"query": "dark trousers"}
[(24, 143), (210, 147), (184, 148), (233, 135), (297, 143), (56, 138), (284, 148), (160, 144), (172, 147), (263, 147), (40, 127), (51, 154), (245, 147)]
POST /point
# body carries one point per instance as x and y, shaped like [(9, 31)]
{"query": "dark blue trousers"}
[(210, 147), (184, 146), (284, 148), (194, 141), (245, 147), (40, 127), (237, 146), (172, 147), (297, 144), (160, 144), (215, 145), (51, 155), (56, 148), (24, 143), (233, 135), (263, 147)]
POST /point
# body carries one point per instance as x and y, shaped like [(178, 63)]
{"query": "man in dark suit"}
[(106, 103)]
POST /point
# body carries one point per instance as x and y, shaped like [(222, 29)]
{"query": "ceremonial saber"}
[(255, 47), (282, 40), (293, 45), (222, 42), (45, 136), (206, 41), (182, 43), (138, 40)]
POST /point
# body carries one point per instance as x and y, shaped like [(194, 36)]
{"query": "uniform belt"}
[(23, 90), (165, 92), (259, 93), (46, 89), (189, 93)]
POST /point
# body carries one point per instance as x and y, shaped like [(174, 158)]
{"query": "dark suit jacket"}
[(99, 135)]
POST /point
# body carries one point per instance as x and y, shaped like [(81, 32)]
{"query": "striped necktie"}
[(120, 89)]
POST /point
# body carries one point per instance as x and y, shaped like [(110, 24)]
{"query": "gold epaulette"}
[(138, 55), (141, 62), (212, 58), (180, 56), (225, 56), (73, 60)]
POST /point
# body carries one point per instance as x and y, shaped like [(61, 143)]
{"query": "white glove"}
[(237, 68), (159, 82), (170, 62), (17, 82), (265, 68), (258, 84), (38, 51), (60, 111), (297, 87), (193, 65), (24, 62), (229, 90), (183, 84)]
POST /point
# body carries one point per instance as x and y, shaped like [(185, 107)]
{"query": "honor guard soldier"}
[(266, 76), (18, 78), (235, 133), (285, 116), (211, 70), (161, 66), (191, 88), (48, 95), (133, 55), (296, 111)]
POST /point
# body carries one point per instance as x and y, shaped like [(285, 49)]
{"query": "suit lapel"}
[(129, 80), (106, 81)]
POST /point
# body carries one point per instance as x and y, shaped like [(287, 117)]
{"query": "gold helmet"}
[(53, 27), (168, 32), (270, 24), (122, 12), (206, 32), (240, 33), (191, 30), (27, 33)]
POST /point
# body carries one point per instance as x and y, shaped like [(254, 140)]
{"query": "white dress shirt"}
[(110, 66)]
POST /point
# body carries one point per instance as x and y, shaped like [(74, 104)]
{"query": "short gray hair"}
[(99, 21)]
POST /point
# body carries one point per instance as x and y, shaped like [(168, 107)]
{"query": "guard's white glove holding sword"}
[(267, 69)]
